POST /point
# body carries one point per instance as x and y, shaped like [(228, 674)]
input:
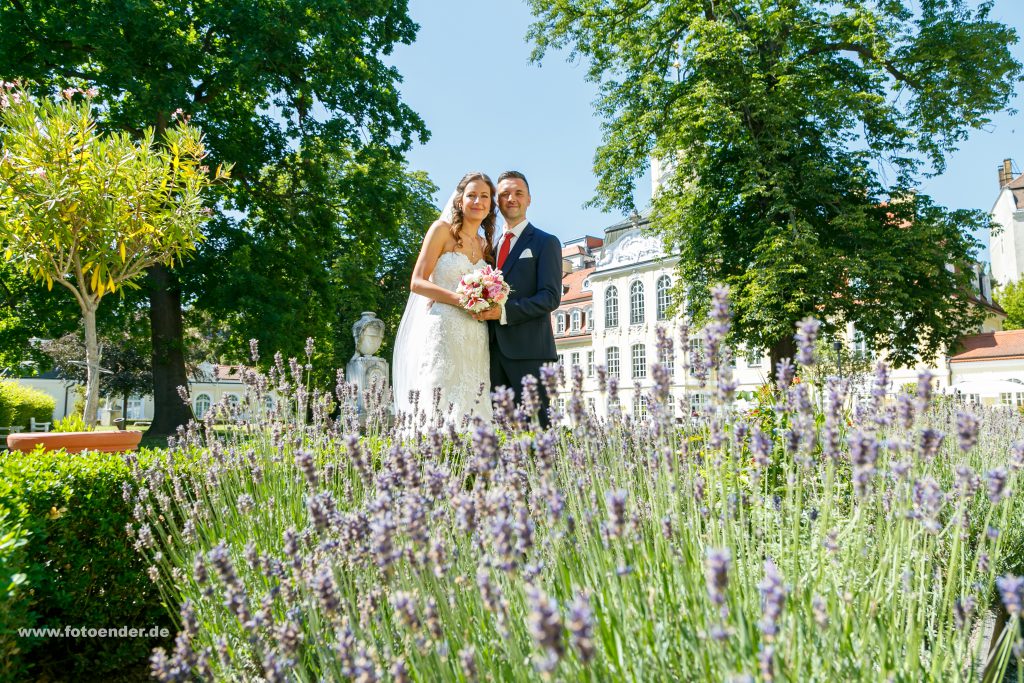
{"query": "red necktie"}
[(506, 246)]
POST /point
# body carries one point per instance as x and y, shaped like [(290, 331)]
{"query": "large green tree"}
[(264, 80), (333, 260), (795, 133)]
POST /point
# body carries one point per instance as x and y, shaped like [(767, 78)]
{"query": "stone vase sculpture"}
[(367, 371)]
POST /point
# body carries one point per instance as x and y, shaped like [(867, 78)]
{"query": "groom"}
[(531, 260)]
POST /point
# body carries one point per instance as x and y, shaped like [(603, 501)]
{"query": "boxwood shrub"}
[(80, 568), (18, 403)]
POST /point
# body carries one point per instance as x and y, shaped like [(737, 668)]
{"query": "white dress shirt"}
[(517, 231)]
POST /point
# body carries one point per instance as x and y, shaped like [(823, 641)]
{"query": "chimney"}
[(1005, 174)]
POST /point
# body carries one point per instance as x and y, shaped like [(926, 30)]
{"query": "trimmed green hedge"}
[(13, 601), (18, 403), (80, 568)]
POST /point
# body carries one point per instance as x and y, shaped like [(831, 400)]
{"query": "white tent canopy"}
[(984, 387)]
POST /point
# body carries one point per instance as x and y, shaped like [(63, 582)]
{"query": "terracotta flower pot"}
[(75, 442)]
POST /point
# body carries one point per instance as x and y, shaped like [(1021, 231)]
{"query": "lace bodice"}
[(450, 268)]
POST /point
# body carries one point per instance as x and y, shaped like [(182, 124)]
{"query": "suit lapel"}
[(521, 244)]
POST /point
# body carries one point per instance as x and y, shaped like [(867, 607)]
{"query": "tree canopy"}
[(90, 212), (269, 83), (794, 136)]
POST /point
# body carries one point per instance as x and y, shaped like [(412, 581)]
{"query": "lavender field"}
[(822, 537)]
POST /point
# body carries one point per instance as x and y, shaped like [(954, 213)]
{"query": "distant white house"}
[(210, 384), (1006, 244)]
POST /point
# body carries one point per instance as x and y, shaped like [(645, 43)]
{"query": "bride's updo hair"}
[(488, 223)]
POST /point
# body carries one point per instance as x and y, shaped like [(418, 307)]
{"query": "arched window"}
[(611, 307), (639, 353), (201, 405), (576, 320), (589, 317), (636, 303), (560, 323), (664, 296)]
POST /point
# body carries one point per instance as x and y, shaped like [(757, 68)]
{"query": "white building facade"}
[(616, 294)]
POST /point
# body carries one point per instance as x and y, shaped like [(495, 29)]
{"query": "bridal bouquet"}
[(481, 289)]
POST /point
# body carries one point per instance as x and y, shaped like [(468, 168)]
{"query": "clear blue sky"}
[(468, 75)]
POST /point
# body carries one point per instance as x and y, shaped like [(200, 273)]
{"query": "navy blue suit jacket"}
[(536, 282)]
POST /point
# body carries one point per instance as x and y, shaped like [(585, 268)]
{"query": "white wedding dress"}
[(439, 345)]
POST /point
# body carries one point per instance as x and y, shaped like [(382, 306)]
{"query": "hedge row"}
[(80, 568), (19, 403)]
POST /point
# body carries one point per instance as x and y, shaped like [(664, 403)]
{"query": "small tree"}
[(1011, 298), (91, 212)]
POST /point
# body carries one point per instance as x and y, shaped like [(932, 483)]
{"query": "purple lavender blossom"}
[(531, 396), (716, 574), (996, 480), (963, 611), (924, 389), (929, 499), (760, 447), (503, 400), (549, 380), (766, 663), (581, 627), (784, 374), (545, 626), (931, 442), (880, 385), (967, 426), (773, 599), (819, 608), (1017, 456), (616, 502), (905, 410), (1011, 590), (806, 336), (864, 455)]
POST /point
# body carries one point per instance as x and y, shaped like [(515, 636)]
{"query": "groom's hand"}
[(492, 313)]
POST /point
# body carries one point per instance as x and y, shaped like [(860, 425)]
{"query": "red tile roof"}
[(574, 250), (227, 373), (991, 346), (574, 282)]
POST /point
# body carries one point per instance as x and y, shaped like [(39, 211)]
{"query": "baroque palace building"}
[(616, 291)]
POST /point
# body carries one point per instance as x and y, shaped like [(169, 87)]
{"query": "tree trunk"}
[(92, 365), (784, 347), (169, 411), (124, 413)]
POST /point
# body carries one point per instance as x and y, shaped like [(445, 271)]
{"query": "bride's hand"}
[(492, 313)]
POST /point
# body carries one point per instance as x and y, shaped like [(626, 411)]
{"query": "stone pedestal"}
[(366, 372)]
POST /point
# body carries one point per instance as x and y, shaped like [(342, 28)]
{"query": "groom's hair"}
[(514, 174)]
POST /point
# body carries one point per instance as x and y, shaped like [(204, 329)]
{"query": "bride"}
[(440, 344)]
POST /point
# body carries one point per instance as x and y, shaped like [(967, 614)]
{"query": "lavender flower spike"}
[(806, 336), (1011, 589), (773, 599), (716, 573)]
